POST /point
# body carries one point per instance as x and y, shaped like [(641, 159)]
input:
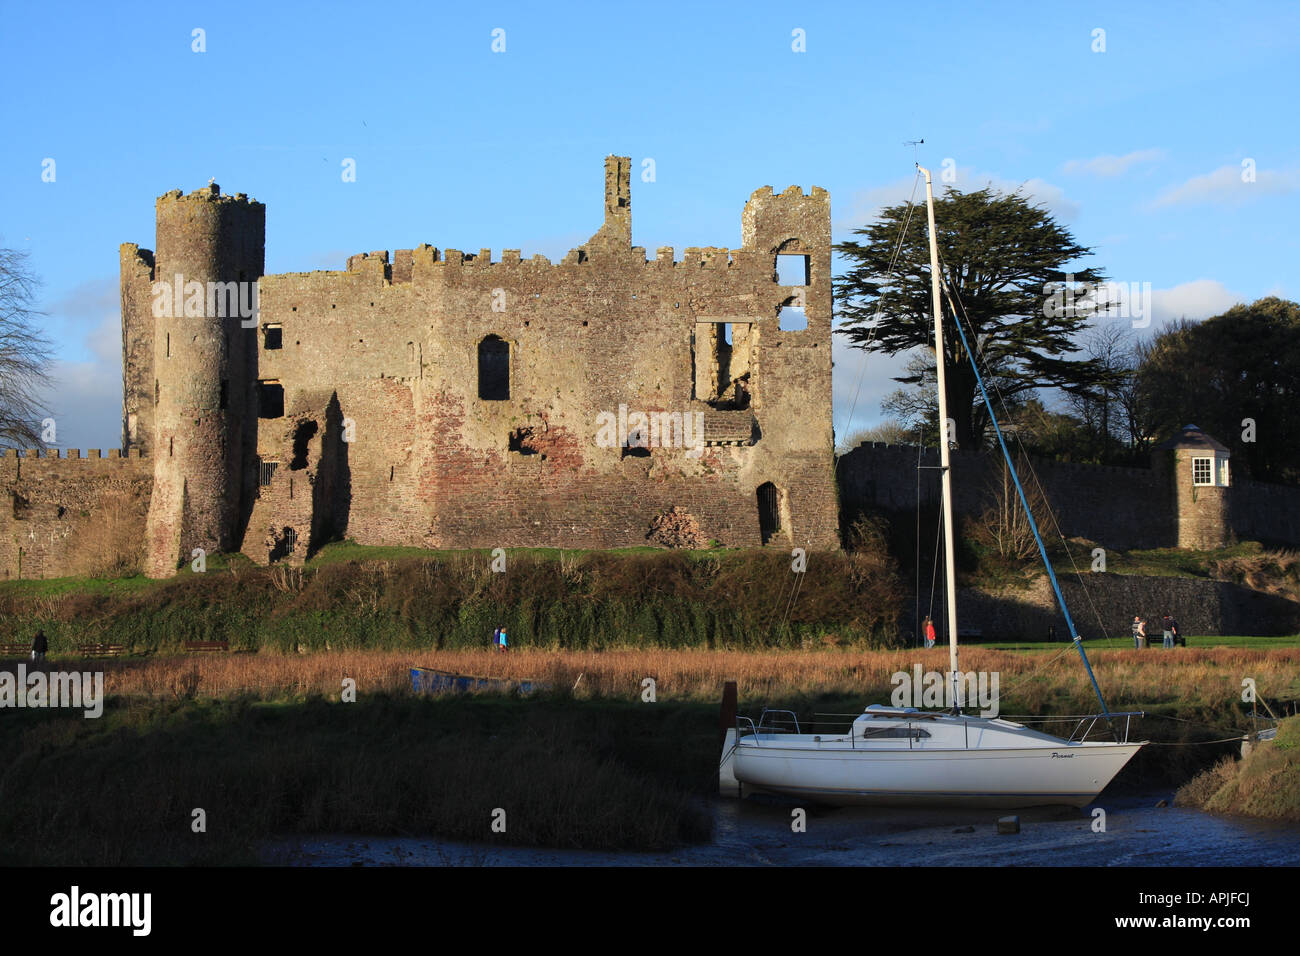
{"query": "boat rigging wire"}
[(960, 314), (1033, 525)]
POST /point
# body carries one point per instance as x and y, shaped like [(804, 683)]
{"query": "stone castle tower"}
[(183, 328), (449, 400), (1196, 465)]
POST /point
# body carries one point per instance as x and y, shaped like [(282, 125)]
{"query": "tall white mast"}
[(949, 547)]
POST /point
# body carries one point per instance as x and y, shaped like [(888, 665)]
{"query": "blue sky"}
[(1138, 150)]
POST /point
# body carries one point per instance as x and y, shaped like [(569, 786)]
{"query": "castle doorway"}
[(769, 511)]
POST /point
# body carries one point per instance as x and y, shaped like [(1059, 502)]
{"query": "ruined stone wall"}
[(395, 346), (73, 515), (137, 267)]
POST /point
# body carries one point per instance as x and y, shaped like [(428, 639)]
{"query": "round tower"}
[(209, 256), (1197, 467)]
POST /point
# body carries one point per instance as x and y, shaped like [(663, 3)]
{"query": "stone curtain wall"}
[(1103, 605), (73, 514), (1264, 512), (1119, 508)]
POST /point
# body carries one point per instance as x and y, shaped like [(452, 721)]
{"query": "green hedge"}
[(594, 601)]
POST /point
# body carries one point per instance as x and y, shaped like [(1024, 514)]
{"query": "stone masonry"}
[(445, 399)]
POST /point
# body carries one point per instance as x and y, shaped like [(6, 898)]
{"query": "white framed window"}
[(1202, 471), (1223, 473)]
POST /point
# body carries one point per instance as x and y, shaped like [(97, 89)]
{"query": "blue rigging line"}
[(1033, 525)]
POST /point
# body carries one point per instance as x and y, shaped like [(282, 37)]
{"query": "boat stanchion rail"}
[(1084, 724)]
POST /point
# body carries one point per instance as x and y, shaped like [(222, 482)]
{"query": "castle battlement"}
[(377, 265), (438, 398), (210, 193), (72, 454)]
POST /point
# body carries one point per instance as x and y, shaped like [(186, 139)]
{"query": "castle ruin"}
[(443, 399)]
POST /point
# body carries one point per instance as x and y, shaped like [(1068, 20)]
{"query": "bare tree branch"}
[(25, 354)]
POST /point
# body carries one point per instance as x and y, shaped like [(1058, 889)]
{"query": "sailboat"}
[(906, 756)]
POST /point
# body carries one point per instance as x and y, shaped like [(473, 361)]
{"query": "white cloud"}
[(85, 395), (1226, 185), (866, 205), (1199, 299), (1196, 300), (1108, 165), (85, 401), (1038, 191)]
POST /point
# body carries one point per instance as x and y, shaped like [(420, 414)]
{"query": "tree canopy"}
[(1243, 364), (1002, 256)]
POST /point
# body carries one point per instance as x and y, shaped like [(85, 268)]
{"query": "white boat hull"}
[(998, 764)]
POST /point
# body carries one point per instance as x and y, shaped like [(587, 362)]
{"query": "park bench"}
[(206, 646), (7, 650), (101, 650)]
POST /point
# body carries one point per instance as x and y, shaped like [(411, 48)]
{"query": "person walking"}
[(1167, 628), (929, 632), (1178, 638), (1139, 632), (40, 646), (503, 644)]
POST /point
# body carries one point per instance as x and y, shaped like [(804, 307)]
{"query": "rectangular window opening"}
[(793, 319), (270, 400), (272, 337), (722, 358), (791, 269)]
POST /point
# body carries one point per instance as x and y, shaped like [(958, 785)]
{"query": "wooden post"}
[(728, 785), (727, 716)]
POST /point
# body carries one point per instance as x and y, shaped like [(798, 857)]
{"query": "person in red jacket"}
[(929, 632)]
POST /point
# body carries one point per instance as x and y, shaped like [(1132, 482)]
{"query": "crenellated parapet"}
[(427, 371)]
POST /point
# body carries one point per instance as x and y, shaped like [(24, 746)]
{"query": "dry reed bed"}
[(1031, 681)]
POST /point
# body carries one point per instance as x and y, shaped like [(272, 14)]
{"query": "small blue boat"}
[(427, 680)]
